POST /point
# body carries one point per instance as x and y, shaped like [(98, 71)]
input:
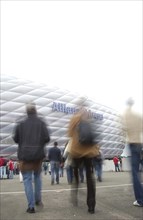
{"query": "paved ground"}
[(114, 200)]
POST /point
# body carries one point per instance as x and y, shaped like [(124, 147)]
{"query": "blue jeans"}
[(117, 169), (98, 169), (69, 171), (55, 166), (135, 163), (11, 174), (31, 194), (3, 172), (61, 171)]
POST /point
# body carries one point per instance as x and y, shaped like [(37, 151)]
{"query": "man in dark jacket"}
[(31, 135), (55, 158)]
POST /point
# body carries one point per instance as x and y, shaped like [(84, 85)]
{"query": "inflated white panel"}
[(57, 107)]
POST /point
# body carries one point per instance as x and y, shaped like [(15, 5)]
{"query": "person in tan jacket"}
[(133, 122), (82, 156)]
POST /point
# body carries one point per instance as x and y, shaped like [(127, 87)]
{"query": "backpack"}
[(85, 133)]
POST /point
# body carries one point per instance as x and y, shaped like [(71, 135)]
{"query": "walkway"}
[(114, 200)]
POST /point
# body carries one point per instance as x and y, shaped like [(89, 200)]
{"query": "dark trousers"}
[(136, 175), (91, 189)]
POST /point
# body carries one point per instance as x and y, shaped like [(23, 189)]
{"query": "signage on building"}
[(61, 107)]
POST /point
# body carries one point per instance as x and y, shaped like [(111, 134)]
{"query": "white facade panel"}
[(57, 106)]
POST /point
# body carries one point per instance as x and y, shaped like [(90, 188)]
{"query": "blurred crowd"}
[(8, 168), (82, 158)]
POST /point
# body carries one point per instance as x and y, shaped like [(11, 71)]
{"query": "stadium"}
[(57, 107)]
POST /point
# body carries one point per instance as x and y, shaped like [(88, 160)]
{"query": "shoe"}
[(99, 179), (91, 210), (137, 204), (39, 204), (30, 210)]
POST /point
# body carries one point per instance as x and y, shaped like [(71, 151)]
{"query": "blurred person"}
[(1, 167), (133, 122), (16, 170), (31, 135), (3, 163), (116, 163), (61, 171), (82, 155), (141, 160), (55, 158), (68, 163), (4, 168), (49, 168), (7, 170), (120, 164), (20, 177), (81, 173), (69, 172), (98, 164), (11, 168), (45, 167)]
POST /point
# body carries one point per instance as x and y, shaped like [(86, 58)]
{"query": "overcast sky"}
[(91, 47)]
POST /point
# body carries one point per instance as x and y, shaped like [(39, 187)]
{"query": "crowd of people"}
[(8, 168), (63, 168), (82, 157), (56, 169)]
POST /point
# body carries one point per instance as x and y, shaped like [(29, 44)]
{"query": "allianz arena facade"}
[(57, 107)]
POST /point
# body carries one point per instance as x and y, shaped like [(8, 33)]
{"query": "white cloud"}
[(93, 47)]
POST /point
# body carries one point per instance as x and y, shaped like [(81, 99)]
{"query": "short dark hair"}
[(55, 143), (31, 108)]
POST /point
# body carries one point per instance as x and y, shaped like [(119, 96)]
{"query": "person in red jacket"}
[(2, 168), (11, 168), (116, 163)]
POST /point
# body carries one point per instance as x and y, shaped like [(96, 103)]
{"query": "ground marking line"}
[(61, 190)]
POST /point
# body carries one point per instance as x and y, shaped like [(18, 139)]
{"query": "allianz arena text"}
[(57, 107)]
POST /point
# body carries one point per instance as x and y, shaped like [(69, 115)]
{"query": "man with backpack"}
[(82, 151), (31, 135)]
